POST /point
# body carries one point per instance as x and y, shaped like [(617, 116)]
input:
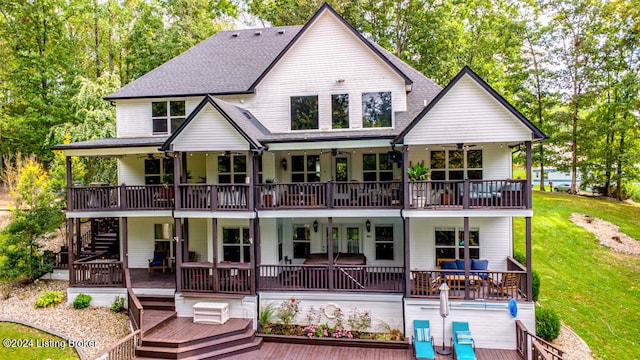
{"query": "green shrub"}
[(118, 304), (535, 284), (547, 323), (50, 298), (81, 301), (519, 257)]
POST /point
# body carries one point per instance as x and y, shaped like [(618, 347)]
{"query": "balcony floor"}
[(156, 279)]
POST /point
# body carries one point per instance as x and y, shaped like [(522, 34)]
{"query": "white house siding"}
[(207, 131), (199, 238), (131, 170), (468, 114), (244, 308), (384, 309), (495, 240), (133, 117), (325, 53), (491, 324), (141, 239)]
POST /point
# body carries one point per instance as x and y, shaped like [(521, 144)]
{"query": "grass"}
[(32, 344), (595, 291)]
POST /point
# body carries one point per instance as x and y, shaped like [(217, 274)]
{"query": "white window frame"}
[(392, 241), (458, 238), (241, 244), (168, 117)]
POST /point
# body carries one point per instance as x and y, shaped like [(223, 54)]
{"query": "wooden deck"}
[(183, 330), (156, 279), (279, 351)]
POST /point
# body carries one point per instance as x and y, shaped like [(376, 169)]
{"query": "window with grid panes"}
[(384, 242), (456, 165), (301, 241), (167, 115), (235, 245), (376, 167), (232, 169), (305, 168), (449, 243)]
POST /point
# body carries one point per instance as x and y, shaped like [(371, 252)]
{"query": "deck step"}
[(152, 319), (157, 305), (222, 353), (155, 338), (212, 348)]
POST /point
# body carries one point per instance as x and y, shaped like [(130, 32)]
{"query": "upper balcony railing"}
[(428, 195), (468, 194)]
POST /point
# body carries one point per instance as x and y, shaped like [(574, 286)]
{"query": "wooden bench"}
[(210, 313)]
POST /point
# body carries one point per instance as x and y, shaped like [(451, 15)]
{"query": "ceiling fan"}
[(228, 153), (334, 152)]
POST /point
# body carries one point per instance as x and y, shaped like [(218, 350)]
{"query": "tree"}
[(34, 212)]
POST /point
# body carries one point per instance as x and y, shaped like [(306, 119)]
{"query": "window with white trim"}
[(305, 168), (235, 245), (304, 112), (384, 242), (232, 169), (301, 241), (157, 171), (376, 167), (450, 243), (456, 164), (376, 109), (340, 111), (167, 115)]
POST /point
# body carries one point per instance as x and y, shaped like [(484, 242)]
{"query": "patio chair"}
[(506, 286), (422, 340), (463, 344), (159, 260), (423, 284)]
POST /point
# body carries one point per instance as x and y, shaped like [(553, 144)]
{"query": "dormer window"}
[(376, 109), (304, 112), (167, 115)]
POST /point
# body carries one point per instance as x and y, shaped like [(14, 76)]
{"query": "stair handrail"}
[(135, 309), (531, 346), (125, 349)]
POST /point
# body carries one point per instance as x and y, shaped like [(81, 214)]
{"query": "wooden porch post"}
[(178, 238), (71, 258), (529, 162), (405, 178), (125, 241), (176, 180), (69, 167), (253, 174), (407, 256), (529, 263), (252, 251), (79, 239), (185, 241), (529, 205), (258, 247), (467, 261), (214, 245), (330, 252)]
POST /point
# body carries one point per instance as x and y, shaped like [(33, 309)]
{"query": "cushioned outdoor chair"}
[(507, 286), (159, 260), (422, 340), (463, 344)]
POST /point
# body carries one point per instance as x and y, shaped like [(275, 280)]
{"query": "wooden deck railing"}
[(431, 194), (98, 273), (223, 278), (482, 284), (134, 307), (214, 197), (347, 278), (468, 194), (531, 347)]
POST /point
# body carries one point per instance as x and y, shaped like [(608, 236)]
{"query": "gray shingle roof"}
[(113, 143), (227, 62)]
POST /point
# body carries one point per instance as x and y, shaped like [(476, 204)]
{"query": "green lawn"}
[(595, 291), (30, 344)]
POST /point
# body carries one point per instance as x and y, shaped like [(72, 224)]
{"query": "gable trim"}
[(537, 133), (209, 100), (408, 82)]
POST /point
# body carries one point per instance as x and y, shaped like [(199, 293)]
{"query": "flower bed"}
[(324, 323)]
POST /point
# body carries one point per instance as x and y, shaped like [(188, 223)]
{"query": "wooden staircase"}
[(165, 336)]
